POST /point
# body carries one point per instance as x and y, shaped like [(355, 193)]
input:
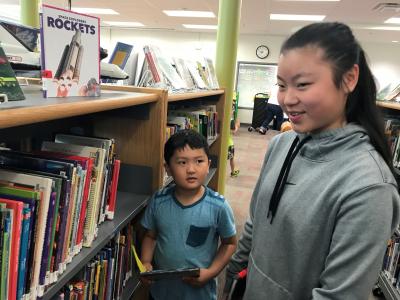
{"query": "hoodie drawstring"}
[(283, 175)]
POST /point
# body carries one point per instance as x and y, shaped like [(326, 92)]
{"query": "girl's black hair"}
[(182, 138), (342, 51)]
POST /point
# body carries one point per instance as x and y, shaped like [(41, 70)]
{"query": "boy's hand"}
[(148, 267), (205, 276)]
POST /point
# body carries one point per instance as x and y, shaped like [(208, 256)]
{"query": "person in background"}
[(185, 222), (273, 110), (234, 127), (326, 201)]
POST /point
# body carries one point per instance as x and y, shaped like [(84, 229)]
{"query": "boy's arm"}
[(224, 253), (148, 246)]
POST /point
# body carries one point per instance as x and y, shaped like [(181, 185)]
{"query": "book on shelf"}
[(70, 57), (119, 57), (95, 194), (16, 226), (109, 146), (183, 71), (44, 186), (9, 86), (163, 72), (7, 216), (106, 275)]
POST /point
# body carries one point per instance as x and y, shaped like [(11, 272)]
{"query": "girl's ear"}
[(350, 79), (167, 169)]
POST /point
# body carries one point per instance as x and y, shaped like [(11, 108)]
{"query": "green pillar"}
[(225, 65), (30, 13)]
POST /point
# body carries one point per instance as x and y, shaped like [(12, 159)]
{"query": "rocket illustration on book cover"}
[(70, 51)]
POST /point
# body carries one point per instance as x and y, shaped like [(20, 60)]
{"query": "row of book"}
[(105, 276), (390, 92), (52, 202), (203, 119), (159, 70), (392, 132), (391, 263)]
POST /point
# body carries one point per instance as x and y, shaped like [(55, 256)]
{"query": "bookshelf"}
[(390, 292), (128, 206), (128, 117), (136, 119), (387, 288), (216, 97)]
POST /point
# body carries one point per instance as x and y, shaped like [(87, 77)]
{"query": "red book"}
[(113, 193), (17, 208)]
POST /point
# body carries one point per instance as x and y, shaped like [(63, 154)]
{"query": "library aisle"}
[(250, 148)]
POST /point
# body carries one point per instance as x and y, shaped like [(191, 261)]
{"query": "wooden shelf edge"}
[(193, 95), (388, 104), (387, 288), (129, 205), (64, 108)]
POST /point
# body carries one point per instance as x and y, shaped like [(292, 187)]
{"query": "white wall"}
[(384, 58)]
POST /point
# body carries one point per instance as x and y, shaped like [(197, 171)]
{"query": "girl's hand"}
[(205, 276)]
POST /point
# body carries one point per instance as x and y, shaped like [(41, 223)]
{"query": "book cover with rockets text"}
[(70, 53)]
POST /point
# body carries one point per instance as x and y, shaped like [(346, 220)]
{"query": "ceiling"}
[(359, 14)]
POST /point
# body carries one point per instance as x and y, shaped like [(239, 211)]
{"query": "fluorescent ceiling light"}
[(287, 17), (189, 13), (124, 24), (10, 11), (307, 0), (390, 28), (95, 11), (395, 41), (195, 26), (393, 21)]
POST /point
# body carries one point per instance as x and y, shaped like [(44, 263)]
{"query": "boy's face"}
[(189, 167)]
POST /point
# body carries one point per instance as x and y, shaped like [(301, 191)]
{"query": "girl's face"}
[(307, 92)]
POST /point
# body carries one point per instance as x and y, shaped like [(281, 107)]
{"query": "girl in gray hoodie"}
[(326, 201)]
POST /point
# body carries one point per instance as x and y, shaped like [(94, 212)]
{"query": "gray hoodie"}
[(339, 207)]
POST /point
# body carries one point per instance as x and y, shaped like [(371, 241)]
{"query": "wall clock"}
[(262, 51)]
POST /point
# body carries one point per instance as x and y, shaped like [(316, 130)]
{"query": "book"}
[(70, 53), (108, 145), (9, 86), (26, 227), (170, 274), (17, 208), (5, 251), (43, 185), (94, 201)]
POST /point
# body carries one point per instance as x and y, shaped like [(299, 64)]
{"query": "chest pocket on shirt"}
[(197, 235)]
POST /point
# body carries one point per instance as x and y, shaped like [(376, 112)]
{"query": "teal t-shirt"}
[(187, 237)]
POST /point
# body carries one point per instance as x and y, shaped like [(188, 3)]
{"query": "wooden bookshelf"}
[(388, 104), (390, 292), (216, 97), (128, 206), (134, 119)]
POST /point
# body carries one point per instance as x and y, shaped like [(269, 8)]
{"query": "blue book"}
[(26, 220)]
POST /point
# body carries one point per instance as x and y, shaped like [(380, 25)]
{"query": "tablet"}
[(169, 274)]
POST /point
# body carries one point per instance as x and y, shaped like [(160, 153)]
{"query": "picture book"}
[(70, 53), (9, 86)]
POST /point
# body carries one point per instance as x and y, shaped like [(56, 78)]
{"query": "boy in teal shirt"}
[(185, 222)]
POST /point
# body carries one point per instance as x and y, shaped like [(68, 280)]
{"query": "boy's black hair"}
[(186, 137), (343, 51)]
